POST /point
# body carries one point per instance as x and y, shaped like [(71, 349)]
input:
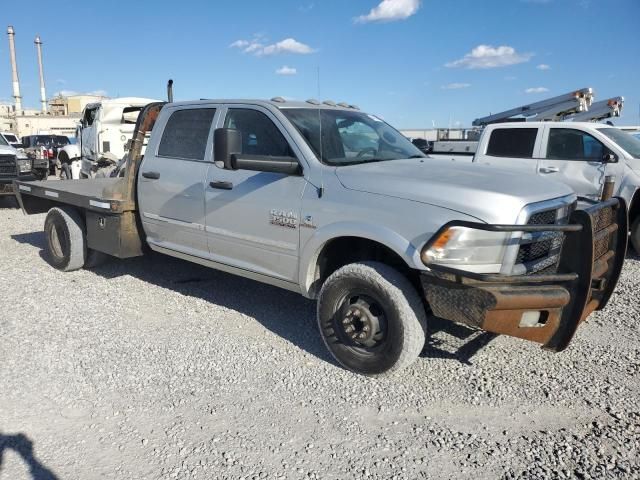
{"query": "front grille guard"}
[(590, 263)]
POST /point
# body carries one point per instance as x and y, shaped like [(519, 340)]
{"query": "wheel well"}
[(341, 251), (63, 156)]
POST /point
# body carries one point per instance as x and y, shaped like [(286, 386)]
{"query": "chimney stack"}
[(14, 70), (43, 95)]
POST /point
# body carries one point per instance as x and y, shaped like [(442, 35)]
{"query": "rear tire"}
[(371, 318), (635, 234), (66, 241)]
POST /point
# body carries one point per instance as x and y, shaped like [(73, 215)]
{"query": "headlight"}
[(24, 165), (468, 249)]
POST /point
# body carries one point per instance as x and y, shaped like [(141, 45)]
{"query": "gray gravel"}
[(156, 368)]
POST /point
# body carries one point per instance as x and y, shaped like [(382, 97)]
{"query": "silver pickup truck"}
[(335, 204)]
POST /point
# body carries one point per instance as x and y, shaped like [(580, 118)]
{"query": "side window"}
[(570, 144), (260, 136), (186, 133), (90, 116), (512, 142)]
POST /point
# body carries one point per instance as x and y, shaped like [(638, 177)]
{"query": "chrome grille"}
[(540, 252), (7, 165)]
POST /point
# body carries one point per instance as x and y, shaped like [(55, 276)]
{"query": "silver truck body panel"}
[(400, 204)]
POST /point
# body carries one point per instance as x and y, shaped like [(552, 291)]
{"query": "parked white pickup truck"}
[(578, 154)]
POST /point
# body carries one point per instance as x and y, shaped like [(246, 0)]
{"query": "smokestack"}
[(43, 94), (14, 70)]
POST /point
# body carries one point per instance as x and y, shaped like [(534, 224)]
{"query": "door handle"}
[(549, 170), (221, 185), (151, 175)]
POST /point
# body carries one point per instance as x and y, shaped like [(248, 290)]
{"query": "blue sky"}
[(415, 63)]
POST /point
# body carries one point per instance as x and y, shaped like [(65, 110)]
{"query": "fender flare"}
[(314, 246)]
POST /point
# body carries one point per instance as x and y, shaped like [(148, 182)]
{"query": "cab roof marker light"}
[(331, 103), (343, 105), (278, 100), (313, 101), (354, 107)]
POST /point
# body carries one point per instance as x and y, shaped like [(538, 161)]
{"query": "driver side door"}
[(575, 157), (253, 218)]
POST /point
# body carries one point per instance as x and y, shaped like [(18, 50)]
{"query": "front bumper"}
[(590, 263)]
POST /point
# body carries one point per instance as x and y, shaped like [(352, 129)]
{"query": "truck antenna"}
[(321, 189)]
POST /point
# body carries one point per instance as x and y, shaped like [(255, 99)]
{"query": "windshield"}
[(51, 140), (627, 142), (350, 137)]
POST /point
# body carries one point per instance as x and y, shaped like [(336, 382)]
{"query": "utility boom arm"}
[(556, 108), (600, 111)]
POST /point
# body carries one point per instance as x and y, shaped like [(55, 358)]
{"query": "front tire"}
[(371, 318), (66, 241)]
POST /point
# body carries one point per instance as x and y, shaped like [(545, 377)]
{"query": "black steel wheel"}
[(371, 318)]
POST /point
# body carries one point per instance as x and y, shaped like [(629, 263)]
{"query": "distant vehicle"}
[(101, 137), (423, 145), (338, 206), (14, 165), (43, 149), (579, 154), (11, 139)]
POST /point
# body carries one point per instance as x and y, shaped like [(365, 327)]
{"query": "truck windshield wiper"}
[(418, 156)]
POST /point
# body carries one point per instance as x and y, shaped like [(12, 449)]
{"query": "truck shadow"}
[(8, 201), (23, 446)]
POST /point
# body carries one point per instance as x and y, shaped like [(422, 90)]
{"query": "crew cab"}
[(335, 204), (580, 155)]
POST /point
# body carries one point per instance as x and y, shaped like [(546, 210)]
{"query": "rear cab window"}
[(186, 134), (512, 142)]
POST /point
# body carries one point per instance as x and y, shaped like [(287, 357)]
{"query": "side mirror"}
[(610, 158), (228, 145), (226, 142)]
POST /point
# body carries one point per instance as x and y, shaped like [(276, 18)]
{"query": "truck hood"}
[(487, 193)]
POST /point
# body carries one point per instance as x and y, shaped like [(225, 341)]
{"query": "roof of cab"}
[(565, 124), (277, 102)]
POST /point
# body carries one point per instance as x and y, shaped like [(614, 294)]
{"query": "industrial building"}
[(59, 115)]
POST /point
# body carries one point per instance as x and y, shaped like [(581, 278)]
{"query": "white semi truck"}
[(101, 137)]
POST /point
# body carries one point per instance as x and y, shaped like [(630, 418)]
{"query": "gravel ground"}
[(157, 368)]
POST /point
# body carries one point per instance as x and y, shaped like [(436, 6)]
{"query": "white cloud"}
[(455, 86), (487, 56), (284, 70), (390, 10), (258, 48), (536, 90), (239, 44), (543, 66), (71, 93)]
